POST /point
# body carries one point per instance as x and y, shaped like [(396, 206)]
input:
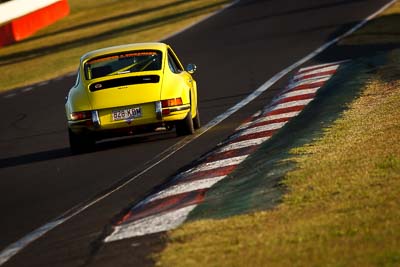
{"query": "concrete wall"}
[(21, 18)]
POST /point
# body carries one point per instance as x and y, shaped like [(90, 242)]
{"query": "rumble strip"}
[(169, 207)]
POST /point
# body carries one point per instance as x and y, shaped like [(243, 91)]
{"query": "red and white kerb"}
[(169, 207)]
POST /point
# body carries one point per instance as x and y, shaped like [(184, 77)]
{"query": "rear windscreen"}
[(122, 63)]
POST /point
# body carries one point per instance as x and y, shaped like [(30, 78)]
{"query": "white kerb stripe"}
[(218, 164), (321, 66), (292, 104), (309, 81), (263, 128), (243, 144), (185, 187), (152, 224), (297, 93), (301, 75), (280, 116), (272, 117)]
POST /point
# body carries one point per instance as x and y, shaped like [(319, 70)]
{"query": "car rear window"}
[(121, 63)]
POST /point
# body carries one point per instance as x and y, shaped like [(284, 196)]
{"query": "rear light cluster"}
[(170, 103), (82, 115)]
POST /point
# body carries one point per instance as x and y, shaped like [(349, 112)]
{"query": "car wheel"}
[(185, 126), (196, 120), (80, 143)]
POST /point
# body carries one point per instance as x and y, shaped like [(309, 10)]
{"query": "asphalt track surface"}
[(236, 51)]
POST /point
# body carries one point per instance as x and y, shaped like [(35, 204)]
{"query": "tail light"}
[(81, 115), (166, 104), (171, 102)]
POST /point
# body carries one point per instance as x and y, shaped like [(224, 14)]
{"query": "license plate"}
[(126, 114)]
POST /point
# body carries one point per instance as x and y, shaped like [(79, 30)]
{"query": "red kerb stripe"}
[(254, 136), (207, 174), (286, 110), (324, 73), (165, 204), (263, 123), (306, 86), (296, 98), (232, 153)]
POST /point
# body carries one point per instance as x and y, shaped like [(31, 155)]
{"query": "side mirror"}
[(191, 68)]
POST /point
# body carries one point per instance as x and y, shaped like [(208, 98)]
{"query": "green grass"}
[(56, 50), (342, 206)]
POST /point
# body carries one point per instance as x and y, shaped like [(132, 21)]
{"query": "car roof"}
[(121, 48)]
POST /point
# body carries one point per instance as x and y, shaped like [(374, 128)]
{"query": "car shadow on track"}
[(66, 152)]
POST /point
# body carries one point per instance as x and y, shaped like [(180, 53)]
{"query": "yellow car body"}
[(129, 89)]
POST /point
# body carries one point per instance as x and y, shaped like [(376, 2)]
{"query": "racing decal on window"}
[(120, 56)]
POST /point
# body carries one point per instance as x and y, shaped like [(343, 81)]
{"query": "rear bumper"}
[(99, 133), (101, 126)]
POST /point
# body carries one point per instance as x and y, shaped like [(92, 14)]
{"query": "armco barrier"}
[(24, 19)]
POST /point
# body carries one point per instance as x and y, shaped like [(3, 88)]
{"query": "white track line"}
[(27, 89), (43, 83), (14, 248), (17, 246), (10, 95)]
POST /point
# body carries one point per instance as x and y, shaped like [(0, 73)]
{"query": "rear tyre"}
[(80, 143), (196, 120), (185, 126)]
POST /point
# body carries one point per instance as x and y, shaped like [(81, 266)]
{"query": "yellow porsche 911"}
[(130, 89)]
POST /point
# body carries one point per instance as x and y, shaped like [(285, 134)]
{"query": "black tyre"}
[(196, 120), (185, 126), (80, 143)]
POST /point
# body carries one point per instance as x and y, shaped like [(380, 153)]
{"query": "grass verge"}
[(342, 202), (56, 50)]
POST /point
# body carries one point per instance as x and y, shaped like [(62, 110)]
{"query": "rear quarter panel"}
[(77, 99), (174, 86)]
